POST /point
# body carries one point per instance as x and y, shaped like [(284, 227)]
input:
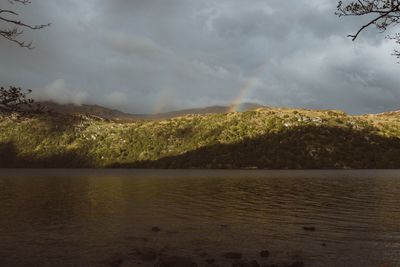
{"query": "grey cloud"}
[(157, 55)]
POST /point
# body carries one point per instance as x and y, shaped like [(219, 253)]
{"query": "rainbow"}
[(161, 101), (246, 90), (234, 106), (243, 93)]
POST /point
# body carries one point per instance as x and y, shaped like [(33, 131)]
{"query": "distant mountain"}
[(250, 106), (113, 114), (202, 111), (93, 110), (183, 112)]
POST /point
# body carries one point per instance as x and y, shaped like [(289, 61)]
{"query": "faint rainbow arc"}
[(161, 101), (246, 89)]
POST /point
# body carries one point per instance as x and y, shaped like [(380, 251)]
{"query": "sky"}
[(150, 56)]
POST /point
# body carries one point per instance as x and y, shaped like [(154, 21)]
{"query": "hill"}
[(262, 138), (86, 109), (113, 114)]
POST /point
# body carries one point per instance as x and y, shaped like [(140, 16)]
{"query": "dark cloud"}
[(155, 55)]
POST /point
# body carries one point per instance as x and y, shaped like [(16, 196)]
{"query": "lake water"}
[(89, 217)]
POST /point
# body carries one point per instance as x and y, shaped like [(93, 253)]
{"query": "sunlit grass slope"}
[(262, 138)]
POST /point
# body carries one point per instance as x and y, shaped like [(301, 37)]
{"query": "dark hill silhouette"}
[(71, 159)]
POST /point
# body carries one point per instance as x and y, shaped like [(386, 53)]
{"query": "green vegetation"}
[(262, 138)]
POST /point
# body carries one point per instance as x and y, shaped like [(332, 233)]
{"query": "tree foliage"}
[(14, 99), (14, 27), (381, 14)]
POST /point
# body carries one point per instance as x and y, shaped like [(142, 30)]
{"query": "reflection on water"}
[(78, 221)]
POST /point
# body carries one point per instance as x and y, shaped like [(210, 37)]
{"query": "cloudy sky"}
[(146, 56)]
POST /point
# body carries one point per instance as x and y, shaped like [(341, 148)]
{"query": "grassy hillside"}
[(263, 138)]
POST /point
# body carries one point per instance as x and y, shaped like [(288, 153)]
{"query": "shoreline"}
[(200, 173)]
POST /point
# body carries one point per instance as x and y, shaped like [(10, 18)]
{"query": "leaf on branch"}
[(14, 99)]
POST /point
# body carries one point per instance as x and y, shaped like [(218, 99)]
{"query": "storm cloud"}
[(146, 56)]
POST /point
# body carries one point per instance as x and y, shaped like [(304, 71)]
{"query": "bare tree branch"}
[(14, 27), (14, 98), (382, 13)]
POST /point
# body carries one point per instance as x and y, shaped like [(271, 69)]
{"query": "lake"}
[(92, 217)]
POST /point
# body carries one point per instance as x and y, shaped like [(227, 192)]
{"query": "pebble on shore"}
[(155, 229), (264, 254), (309, 228)]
